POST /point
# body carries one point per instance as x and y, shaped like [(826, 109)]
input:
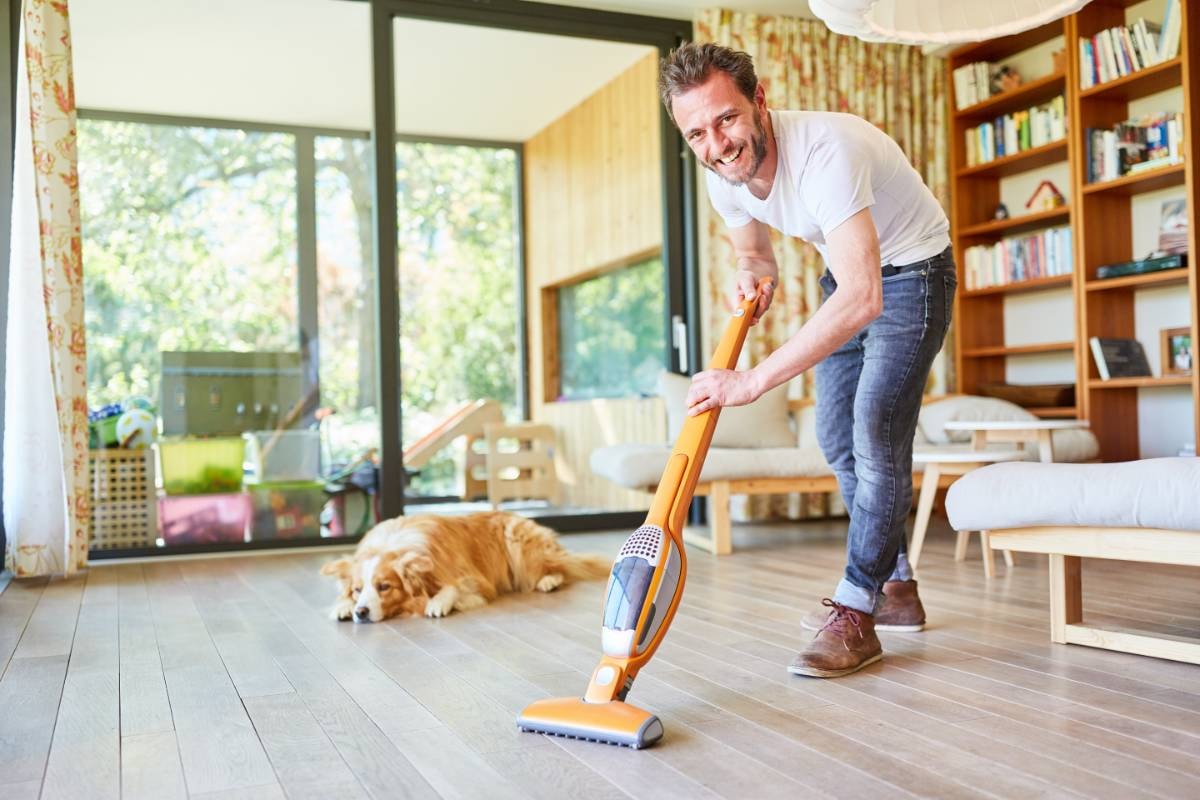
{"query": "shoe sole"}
[(879, 626), (920, 626), (814, 672)]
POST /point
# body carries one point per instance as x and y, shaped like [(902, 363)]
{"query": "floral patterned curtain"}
[(804, 65), (46, 508)]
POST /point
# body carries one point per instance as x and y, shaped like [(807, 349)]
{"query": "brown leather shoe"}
[(845, 644), (901, 610)]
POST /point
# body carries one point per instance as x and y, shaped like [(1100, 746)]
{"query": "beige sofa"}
[(770, 447)]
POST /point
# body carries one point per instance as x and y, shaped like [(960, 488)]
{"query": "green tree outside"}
[(190, 243)]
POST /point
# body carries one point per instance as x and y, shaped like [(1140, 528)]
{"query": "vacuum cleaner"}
[(644, 588)]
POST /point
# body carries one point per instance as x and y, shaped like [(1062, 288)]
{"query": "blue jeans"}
[(868, 398)]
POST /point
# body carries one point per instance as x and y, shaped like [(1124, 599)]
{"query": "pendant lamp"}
[(938, 21)]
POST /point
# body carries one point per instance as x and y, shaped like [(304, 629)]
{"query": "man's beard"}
[(758, 152)]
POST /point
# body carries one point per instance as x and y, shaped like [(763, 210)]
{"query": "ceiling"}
[(686, 9), (308, 62)]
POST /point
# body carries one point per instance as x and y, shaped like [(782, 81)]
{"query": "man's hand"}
[(721, 387), (745, 286), (755, 260)]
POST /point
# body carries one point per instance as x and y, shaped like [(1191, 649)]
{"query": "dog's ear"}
[(340, 568), (415, 572)]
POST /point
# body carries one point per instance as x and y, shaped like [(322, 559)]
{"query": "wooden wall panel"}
[(582, 427), (593, 201)]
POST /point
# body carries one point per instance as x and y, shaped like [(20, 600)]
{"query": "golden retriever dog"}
[(434, 565)]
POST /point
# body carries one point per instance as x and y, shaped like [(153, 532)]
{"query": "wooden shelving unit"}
[(1103, 226), (1099, 216), (983, 352)]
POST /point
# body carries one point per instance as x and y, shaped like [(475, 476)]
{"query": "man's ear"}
[(340, 568)]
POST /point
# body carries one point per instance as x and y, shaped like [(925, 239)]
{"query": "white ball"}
[(136, 429)]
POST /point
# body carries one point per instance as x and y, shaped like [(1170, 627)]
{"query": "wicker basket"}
[(124, 508)]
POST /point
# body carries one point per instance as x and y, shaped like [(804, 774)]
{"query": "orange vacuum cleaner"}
[(643, 590)]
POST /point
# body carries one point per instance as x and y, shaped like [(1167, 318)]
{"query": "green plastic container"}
[(106, 429), (201, 466)]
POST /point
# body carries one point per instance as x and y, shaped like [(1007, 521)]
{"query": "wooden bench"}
[(1144, 511), (1067, 545), (719, 540)]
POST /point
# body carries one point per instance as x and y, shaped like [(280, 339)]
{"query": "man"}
[(838, 182)]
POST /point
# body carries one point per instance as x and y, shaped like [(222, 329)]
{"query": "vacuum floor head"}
[(614, 722)]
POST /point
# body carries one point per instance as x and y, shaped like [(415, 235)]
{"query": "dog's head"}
[(384, 584)]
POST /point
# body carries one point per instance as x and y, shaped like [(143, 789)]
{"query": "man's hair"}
[(690, 65)]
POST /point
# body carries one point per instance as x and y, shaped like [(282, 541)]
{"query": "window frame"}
[(552, 355)]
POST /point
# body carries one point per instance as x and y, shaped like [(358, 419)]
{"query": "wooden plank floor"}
[(224, 678)]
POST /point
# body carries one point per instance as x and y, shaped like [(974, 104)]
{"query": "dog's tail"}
[(586, 567)]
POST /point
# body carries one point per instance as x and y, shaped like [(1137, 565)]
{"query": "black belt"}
[(893, 269)]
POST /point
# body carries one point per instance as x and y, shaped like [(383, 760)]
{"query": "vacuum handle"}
[(697, 431), (730, 346)]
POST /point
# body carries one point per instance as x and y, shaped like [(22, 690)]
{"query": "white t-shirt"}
[(830, 167)]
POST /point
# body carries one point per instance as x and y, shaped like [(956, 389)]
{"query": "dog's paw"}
[(470, 602), (550, 582), (438, 607), (342, 611)]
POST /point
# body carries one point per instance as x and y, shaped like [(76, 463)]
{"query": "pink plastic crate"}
[(204, 519)]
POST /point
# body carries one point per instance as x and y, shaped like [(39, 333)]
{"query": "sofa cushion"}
[(763, 423), (637, 466), (1152, 493), (965, 408), (1071, 446)]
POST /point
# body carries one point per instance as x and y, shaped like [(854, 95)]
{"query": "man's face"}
[(723, 128)]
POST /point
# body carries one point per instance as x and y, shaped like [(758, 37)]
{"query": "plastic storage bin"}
[(201, 466), (204, 519), (279, 456), (290, 510)]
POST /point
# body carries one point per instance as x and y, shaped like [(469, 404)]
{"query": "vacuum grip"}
[(730, 346)]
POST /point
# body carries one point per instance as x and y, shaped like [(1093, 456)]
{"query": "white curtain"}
[(45, 406)]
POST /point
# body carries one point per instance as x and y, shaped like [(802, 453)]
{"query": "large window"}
[(189, 237), (611, 333), (196, 283)]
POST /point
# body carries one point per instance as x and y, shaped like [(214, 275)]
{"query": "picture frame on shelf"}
[(1178, 355)]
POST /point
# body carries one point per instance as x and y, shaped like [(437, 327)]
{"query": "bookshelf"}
[(1110, 221), (1116, 222), (984, 353)]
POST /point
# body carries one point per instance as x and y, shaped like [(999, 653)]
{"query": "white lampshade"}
[(938, 21)]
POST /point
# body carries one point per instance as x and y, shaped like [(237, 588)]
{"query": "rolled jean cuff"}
[(903, 570), (855, 597)]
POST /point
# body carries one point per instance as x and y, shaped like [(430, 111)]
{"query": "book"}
[(1142, 266), (1173, 230), (1119, 358)]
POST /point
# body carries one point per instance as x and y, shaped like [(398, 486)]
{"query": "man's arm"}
[(755, 260), (855, 264)]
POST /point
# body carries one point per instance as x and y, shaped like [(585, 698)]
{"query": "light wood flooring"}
[(224, 678)]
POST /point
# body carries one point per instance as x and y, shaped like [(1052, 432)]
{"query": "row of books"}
[(1133, 146), (1020, 130), (1019, 258), (974, 83), (1125, 49)]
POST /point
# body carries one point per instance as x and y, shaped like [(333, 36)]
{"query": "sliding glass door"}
[(538, 257)]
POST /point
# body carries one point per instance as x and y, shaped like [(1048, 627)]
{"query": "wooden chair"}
[(520, 462)]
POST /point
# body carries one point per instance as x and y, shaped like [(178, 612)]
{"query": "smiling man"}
[(838, 182)]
